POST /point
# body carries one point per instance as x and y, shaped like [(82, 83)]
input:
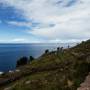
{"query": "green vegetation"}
[(31, 58), (22, 61), (57, 70), (46, 51)]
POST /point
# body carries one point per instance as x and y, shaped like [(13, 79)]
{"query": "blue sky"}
[(35, 21)]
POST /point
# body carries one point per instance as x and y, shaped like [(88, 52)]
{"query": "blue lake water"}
[(10, 53)]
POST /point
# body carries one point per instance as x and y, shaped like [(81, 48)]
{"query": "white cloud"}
[(13, 40), (17, 23), (25, 40), (71, 22), (18, 40)]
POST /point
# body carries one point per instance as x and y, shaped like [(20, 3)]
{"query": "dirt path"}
[(86, 84)]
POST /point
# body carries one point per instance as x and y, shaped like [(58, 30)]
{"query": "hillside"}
[(63, 69)]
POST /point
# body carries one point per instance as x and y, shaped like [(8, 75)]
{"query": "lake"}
[(10, 53)]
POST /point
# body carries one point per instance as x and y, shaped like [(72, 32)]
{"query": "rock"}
[(27, 82), (17, 70), (8, 88), (11, 71), (70, 83)]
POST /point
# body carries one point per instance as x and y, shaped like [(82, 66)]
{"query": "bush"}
[(46, 51), (58, 48), (22, 61), (31, 58)]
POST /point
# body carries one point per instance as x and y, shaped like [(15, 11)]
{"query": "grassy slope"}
[(54, 71)]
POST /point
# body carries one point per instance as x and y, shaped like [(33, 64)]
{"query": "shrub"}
[(58, 48), (46, 51), (22, 61), (31, 58)]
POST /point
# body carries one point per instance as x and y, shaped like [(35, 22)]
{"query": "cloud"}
[(13, 40), (18, 23), (30, 24), (70, 18), (19, 40), (25, 40)]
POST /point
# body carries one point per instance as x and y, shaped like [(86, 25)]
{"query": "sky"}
[(39, 21)]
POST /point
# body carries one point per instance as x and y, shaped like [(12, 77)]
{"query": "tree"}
[(58, 48), (22, 61), (68, 46), (31, 58), (46, 51)]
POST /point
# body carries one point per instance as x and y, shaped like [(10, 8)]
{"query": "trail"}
[(86, 84)]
